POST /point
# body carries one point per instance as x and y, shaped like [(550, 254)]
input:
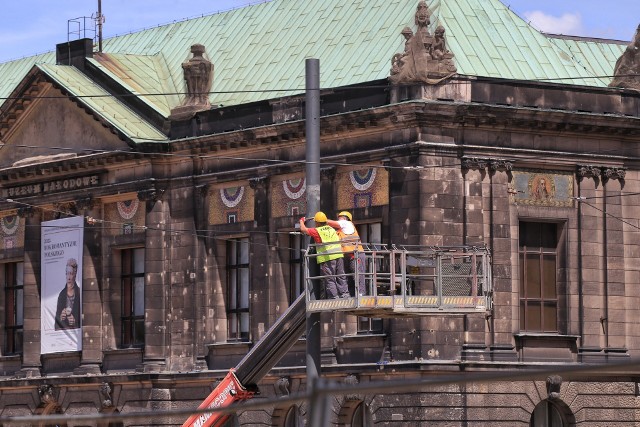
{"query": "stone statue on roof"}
[(425, 57), (627, 70), (198, 76)]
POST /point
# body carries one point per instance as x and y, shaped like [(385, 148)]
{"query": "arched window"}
[(547, 414)]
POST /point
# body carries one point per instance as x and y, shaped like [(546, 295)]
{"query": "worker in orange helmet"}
[(329, 256), (351, 247)]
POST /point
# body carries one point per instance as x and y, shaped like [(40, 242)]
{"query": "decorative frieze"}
[(588, 171), (614, 173)]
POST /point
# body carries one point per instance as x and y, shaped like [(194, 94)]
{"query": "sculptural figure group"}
[(425, 57)]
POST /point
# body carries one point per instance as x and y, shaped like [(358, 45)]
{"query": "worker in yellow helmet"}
[(329, 256), (351, 247)]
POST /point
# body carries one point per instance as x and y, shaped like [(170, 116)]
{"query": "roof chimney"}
[(74, 52)]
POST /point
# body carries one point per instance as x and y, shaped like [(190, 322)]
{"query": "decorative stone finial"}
[(425, 57), (198, 75), (627, 70)]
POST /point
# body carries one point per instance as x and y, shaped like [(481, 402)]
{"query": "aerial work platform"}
[(409, 281)]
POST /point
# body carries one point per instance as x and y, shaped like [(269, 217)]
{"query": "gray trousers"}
[(359, 264), (335, 282)]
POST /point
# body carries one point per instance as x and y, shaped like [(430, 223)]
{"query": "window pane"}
[(376, 233), (244, 251), (549, 272), (523, 325), (138, 298), (244, 288), (139, 331), (233, 325), (232, 252), (550, 318), (138, 260), (19, 274), (19, 307), (244, 323), (534, 319), (533, 276)]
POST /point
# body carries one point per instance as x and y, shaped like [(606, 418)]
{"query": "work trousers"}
[(335, 282)]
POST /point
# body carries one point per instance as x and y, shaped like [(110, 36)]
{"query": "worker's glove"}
[(303, 219)]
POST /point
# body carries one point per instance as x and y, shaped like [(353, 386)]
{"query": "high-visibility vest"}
[(328, 250), (349, 241)]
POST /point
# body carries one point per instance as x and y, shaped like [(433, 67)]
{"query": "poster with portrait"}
[(61, 293)]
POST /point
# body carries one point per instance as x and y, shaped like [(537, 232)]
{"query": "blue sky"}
[(28, 27)]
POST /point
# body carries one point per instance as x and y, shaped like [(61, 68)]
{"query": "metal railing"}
[(405, 280)]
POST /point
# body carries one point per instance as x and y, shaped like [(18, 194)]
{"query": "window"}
[(132, 297), (538, 276), (14, 313), (238, 289), (296, 279), (369, 233)]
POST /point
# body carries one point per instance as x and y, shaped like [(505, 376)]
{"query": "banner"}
[(61, 303)]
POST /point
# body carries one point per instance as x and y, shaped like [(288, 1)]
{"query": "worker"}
[(329, 256), (351, 247)]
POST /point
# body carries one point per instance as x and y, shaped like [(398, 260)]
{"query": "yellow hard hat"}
[(320, 217), (347, 214)]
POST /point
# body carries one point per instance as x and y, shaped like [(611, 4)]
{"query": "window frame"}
[(541, 255), (13, 274), (238, 299), (132, 333)]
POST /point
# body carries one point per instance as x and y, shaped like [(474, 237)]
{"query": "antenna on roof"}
[(100, 21)]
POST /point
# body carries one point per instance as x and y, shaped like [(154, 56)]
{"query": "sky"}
[(29, 27)]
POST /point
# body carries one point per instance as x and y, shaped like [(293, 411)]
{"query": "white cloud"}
[(568, 23)]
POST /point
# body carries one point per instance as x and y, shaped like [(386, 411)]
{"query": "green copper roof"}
[(259, 51), (99, 101)]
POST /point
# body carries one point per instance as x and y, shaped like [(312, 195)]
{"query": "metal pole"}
[(100, 26), (312, 128)]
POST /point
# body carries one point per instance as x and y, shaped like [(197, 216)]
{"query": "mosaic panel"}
[(11, 230), (541, 188), (228, 205), (360, 188), (288, 196), (124, 217)]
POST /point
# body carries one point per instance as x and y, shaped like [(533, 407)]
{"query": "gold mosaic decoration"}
[(541, 188), (231, 204), (288, 196), (361, 188), (124, 217), (11, 230)]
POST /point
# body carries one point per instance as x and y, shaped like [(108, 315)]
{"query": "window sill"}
[(226, 355), (545, 336), (122, 359), (541, 347)]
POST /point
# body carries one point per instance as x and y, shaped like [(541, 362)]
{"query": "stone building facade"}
[(190, 252)]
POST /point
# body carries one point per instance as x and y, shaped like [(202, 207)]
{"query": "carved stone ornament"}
[(426, 58), (501, 165), (586, 171), (47, 394), (105, 395), (474, 163), (150, 194), (627, 70), (198, 75), (258, 182), (351, 380), (615, 173), (282, 386), (554, 382)]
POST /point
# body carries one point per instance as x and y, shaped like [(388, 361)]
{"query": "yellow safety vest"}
[(328, 251)]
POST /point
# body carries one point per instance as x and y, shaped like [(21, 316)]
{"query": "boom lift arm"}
[(239, 384)]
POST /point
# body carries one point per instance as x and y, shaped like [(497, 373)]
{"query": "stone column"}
[(91, 287), (614, 319), (31, 363), (590, 263), (157, 292), (474, 173), (502, 347)]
